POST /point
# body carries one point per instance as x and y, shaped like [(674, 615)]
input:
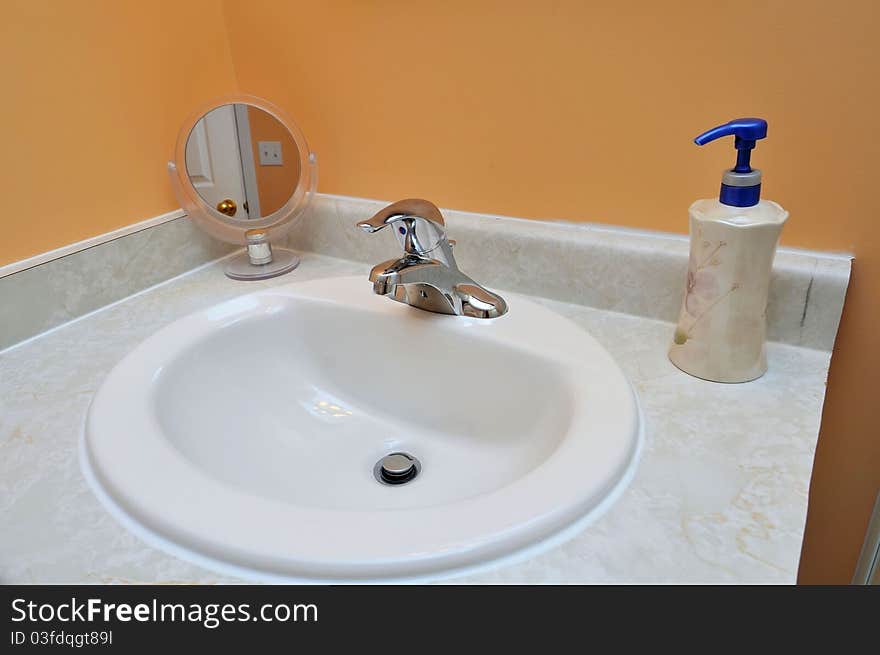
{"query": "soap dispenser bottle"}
[(722, 325)]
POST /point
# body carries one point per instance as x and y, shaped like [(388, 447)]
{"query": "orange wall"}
[(275, 184), (586, 111), (93, 95)]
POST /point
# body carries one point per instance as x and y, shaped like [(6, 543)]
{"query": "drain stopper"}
[(396, 468)]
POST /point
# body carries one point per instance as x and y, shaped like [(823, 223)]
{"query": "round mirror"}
[(243, 172), (242, 161)]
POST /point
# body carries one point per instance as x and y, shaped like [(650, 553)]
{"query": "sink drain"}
[(397, 468)]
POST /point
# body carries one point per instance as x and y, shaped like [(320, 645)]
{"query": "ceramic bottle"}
[(722, 326)]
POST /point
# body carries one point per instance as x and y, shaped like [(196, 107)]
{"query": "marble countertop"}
[(720, 494)]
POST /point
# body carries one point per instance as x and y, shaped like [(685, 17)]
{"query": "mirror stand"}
[(260, 261)]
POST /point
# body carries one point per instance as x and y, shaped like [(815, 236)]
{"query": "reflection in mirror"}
[(242, 161)]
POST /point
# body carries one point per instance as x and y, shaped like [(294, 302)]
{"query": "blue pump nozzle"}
[(741, 185)]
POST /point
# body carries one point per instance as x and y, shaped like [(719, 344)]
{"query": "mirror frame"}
[(226, 228)]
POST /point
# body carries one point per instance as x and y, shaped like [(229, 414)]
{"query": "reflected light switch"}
[(270, 153)]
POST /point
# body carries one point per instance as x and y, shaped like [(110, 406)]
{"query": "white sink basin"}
[(244, 437)]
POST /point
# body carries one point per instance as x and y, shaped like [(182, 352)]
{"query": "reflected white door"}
[(213, 160)]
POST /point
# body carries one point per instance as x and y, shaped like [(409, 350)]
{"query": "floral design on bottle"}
[(701, 293)]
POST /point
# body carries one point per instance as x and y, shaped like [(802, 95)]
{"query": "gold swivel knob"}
[(227, 207)]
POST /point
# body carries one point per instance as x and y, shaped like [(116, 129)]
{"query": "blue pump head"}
[(740, 185)]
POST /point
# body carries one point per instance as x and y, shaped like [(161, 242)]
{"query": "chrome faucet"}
[(427, 276)]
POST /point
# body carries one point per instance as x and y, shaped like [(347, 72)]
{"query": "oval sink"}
[(249, 437)]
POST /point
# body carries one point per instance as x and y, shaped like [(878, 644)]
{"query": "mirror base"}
[(283, 261)]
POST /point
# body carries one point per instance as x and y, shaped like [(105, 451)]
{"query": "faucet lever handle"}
[(420, 225)]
